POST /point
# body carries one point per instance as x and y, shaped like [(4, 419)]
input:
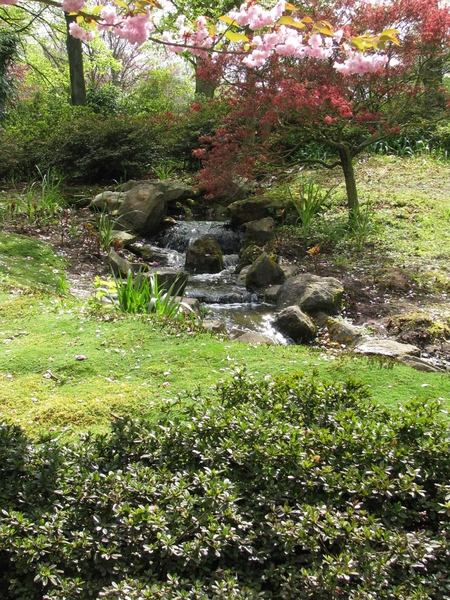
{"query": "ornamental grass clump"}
[(284, 488), (142, 294)]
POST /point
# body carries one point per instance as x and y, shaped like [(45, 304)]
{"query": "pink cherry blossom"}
[(361, 63), (78, 32), (109, 15), (257, 17), (8, 1), (72, 5), (136, 29)]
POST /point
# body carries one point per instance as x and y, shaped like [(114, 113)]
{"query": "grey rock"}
[(123, 237), (289, 270), (420, 364), (108, 200), (387, 347), (168, 277), (293, 323), (249, 337), (271, 294), (257, 207), (204, 256), (263, 272), (143, 209), (190, 305), (259, 232), (345, 333), (247, 256), (120, 266), (175, 191), (311, 293)]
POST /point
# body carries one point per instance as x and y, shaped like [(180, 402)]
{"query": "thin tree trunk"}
[(433, 77), (75, 56), (203, 86), (350, 181)]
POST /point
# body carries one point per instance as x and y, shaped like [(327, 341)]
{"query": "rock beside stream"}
[(263, 272), (311, 293), (204, 256), (295, 324)]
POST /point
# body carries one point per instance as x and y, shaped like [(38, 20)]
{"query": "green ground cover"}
[(65, 364), (62, 366)]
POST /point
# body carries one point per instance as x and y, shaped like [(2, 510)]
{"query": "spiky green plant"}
[(143, 293)]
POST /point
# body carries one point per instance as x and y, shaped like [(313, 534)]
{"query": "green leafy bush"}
[(286, 489), (81, 145)]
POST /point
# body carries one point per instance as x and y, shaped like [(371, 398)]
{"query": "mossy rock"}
[(204, 256), (418, 326), (248, 256), (259, 207)]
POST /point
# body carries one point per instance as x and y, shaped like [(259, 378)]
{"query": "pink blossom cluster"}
[(257, 17), (72, 6), (135, 29), (288, 42), (357, 62), (197, 38), (78, 32), (109, 16)]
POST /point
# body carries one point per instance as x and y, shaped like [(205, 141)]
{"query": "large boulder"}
[(293, 323), (204, 256), (173, 190), (259, 232), (311, 293), (143, 209), (386, 347), (255, 208), (263, 272), (108, 200)]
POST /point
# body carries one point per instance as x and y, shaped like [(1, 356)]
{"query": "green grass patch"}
[(62, 367), (30, 262)]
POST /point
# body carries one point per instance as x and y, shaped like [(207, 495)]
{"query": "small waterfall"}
[(222, 294), (181, 236)]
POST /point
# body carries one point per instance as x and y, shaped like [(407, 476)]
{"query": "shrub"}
[(82, 145), (286, 489)]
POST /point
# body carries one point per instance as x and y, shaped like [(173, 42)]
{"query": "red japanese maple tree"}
[(311, 99)]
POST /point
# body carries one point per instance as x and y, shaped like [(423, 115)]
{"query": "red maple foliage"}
[(277, 108)]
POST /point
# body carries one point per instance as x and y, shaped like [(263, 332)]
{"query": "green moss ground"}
[(134, 365)]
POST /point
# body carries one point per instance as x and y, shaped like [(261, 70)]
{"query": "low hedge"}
[(288, 488), (85, 146)]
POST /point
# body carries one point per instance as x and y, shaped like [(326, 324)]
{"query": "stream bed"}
[(222, 295)]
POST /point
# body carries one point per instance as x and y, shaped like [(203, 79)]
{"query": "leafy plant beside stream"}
[(142, 293)]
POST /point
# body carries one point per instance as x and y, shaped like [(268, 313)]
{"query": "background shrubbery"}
[(270, 489), (90, 145)]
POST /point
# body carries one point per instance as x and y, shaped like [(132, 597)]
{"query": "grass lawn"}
[(66, 366)]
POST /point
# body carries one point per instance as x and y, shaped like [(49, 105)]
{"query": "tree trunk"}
[(75, 56), (433, 77), (350, 181), (203, 86)]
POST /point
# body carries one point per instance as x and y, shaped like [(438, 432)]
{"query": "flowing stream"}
[(223, 296)]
